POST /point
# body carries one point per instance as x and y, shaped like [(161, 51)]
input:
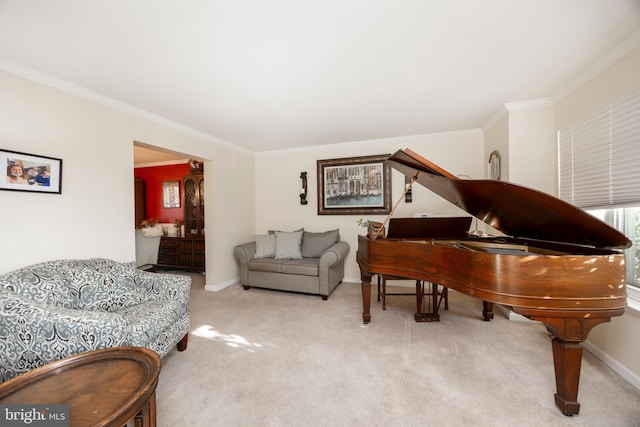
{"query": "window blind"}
[(599, 157)]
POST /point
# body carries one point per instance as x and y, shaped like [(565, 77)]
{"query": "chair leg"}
[(182, 344), (445, 295)]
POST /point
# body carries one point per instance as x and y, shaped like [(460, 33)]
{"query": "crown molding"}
[(527, 105), (71, 88), (395, 140), (613, 56), (516, 106), (500, 112)]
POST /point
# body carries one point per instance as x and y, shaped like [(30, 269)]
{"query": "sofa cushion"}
[(108, 289), (289, 244), (147, 321), (314, 244), (266, 264), (265, 246), (302, 267)]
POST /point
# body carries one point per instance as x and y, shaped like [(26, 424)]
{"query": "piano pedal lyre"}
[(431, 300)]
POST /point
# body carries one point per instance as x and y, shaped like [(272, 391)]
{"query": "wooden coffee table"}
[(107, 387)]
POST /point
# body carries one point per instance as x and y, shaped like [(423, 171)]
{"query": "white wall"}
[(94, 215), (610, 85), (532, 145), (277, 183), (496, 138), (524, 136), (615, 342)]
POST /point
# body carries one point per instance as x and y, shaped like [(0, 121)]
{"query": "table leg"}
[(147, 415), (152, 410)]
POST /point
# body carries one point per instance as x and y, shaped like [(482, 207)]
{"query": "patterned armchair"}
[(54, 309)]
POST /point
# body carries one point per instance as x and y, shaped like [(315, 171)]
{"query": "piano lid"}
[(514, 210)]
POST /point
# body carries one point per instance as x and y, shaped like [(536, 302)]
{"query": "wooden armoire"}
[(187, 252)]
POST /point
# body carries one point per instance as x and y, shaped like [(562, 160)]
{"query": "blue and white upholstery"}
[(55, 309)]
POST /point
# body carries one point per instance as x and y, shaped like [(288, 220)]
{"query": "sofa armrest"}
[(164, 287), (245, 253), (334, 254), (34, 333), (331, 267)]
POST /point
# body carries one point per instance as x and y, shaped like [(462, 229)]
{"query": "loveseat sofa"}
[(55, 309), (297, 261)]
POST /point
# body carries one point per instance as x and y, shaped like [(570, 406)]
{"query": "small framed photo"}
[(30, 172), (354, 186)]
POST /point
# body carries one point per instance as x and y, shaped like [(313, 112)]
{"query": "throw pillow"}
[(265, 246), (107, 289), (280, 231), (314, 244), (289, 244)]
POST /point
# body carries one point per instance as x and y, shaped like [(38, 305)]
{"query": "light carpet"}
[(269, 358)]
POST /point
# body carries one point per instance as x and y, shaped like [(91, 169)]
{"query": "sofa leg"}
[(246, 287), (182, 344), (324, 297)]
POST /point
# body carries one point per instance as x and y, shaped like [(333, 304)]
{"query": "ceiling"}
[(149, 156), (268, 75)]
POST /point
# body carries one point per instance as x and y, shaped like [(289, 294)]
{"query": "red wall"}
[(153, 178)]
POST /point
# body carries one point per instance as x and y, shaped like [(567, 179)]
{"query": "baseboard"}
[(512, 315), (221, 286), (618, 367), (622, 370)]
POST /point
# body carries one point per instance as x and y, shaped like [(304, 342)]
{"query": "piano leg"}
[(366, 299), (567, 335), (567, 360), (487, 310)]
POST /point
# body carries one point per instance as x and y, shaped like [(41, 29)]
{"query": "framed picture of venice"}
[(354, 186)]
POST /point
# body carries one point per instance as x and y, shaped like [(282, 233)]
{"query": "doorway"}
[(179, 248)]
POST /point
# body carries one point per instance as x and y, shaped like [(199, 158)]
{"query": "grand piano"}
[(554, 262)]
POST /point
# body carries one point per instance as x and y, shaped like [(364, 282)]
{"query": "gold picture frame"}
[(354, 186)]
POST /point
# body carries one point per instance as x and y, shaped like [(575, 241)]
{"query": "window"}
[(599, 171), (626, 220)]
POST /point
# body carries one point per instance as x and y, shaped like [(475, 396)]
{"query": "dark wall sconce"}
[(303, 190)]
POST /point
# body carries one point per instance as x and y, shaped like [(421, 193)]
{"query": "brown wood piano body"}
[(556, 264)]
